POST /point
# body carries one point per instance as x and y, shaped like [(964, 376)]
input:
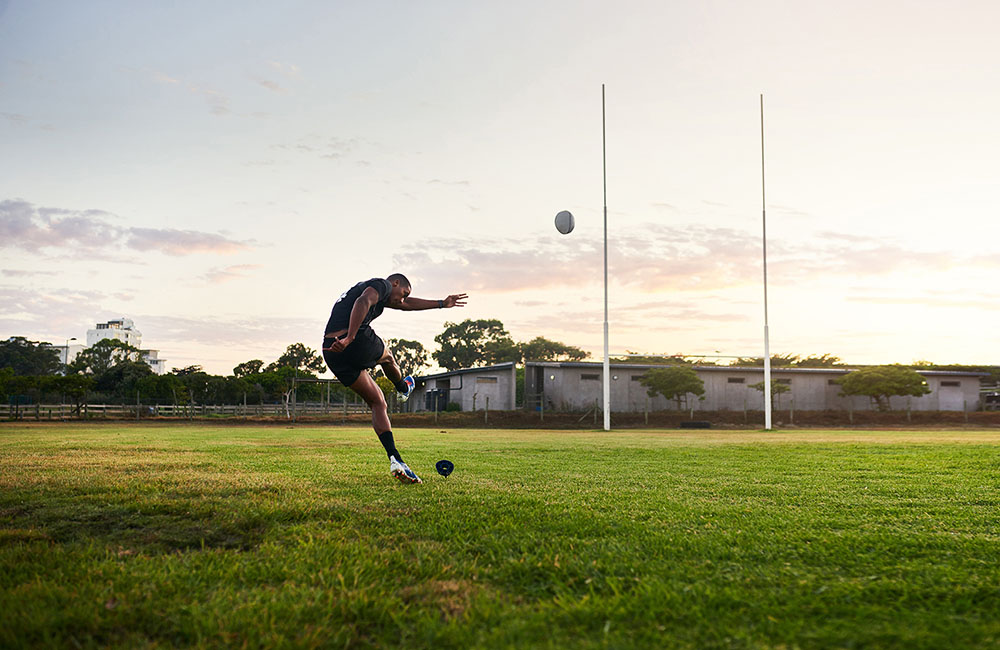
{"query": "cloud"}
[(18, 273), (181, 242), (233, 272), (289, 70), (89, 232), (330, 147), (270, 85), (656, 257)]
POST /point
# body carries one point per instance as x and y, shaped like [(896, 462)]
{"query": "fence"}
[(134, 411)]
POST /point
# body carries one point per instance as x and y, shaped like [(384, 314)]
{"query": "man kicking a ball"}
[(351, 346)]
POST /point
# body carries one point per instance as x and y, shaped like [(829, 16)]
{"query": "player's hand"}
[(340, 343), (456, 300)]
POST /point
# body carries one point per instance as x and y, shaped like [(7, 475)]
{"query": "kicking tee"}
[(340, 316)]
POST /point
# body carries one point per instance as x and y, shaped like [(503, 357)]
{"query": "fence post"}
[(647, 410), (541, 407), (595, 412)]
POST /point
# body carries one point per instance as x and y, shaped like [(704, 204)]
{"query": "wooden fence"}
[(184, 411)]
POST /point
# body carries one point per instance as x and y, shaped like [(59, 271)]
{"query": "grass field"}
[(144, 536)]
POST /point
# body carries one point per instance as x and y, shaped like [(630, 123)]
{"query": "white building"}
[(473, 389), (123, 329), (68, 352)]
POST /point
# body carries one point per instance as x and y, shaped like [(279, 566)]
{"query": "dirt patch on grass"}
[(450, 597)]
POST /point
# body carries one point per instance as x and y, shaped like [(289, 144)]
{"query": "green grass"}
[(162, 536)]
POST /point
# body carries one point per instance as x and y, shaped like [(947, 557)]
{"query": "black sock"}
[(390, 445), (401, 386)]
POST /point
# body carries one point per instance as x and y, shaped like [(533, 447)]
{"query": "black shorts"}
[(363, 353)]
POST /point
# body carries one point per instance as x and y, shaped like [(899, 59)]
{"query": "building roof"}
[(465, 371)]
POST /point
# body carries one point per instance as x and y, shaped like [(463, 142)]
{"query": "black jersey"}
[(340, 315)]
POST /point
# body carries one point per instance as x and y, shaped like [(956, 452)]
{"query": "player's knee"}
[(377, 402)]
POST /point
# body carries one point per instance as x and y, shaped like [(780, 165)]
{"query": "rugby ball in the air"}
[(565, 222)]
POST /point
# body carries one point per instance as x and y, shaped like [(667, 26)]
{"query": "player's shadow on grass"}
[(149, 529)]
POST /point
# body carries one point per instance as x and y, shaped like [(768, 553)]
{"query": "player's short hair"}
[(403, 282)]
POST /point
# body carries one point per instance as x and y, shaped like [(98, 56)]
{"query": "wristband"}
[(440, 304)]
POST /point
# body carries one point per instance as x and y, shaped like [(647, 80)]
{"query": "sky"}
[(221, 172)]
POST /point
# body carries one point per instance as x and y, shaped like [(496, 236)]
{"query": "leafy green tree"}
[(75, 387), (30, 358), (777, 389), (410, 355), (299, 357), (474, 343), (248, 368), (673, 360), (542, 349), (122, 379), (104, 355), (821, 361), (674, 383), (777, 361), (881, 383), (164, 388)]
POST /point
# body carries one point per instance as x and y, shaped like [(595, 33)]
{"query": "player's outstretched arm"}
[(418, 304)]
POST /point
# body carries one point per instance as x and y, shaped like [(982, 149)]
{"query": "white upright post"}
[(767, 346), (607, 362)]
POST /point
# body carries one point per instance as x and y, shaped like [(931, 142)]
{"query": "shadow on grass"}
[(149, 529)]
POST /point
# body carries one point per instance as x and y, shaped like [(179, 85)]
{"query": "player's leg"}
[(395, 374), (369, 391)]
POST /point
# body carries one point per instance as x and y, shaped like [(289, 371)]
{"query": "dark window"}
[(951, 383), (736, 380), (832, 382), (590, 377), (636, 377), (786, 382)]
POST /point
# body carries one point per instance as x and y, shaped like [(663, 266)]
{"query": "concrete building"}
[(470, 388), (575, 386), (123, 329), (68, 352)]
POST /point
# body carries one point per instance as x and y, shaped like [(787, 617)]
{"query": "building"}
[(68, 352), (123, 329), (577, 386), (473, 389)]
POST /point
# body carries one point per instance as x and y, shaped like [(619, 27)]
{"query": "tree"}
[(299, 357), (822, 361), (777, 360), (542, 349), (673, 360), (673, 383), (75, 386), (881, 383), (104, 355), (473, 343), (777, 388), (248, 368), (30, 358), (410, 355)]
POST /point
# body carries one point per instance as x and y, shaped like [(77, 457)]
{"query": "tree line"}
[(115, 372)]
